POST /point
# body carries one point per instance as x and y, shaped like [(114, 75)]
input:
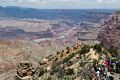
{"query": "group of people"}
[(106, 70)]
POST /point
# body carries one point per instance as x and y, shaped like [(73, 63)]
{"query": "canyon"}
[(30, 38)]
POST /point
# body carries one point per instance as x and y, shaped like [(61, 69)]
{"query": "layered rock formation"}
[(110, 32)]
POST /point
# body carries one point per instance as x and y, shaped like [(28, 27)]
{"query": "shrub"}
[(61, 55), (100, 58), (52, 72), (84, 49), (41, 72), (49, 78), (67, 48), (68, 51), (68, 58), (95, 61), (69, 71), (58, 52), (82, 64), (105, 52), (98, 47)]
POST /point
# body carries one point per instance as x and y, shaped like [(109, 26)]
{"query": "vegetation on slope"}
[(71, 64)]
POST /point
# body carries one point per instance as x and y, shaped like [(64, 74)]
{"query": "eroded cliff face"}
[(110, 32)]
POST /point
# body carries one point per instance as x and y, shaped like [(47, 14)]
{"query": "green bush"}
[(69, 71), (105, 51), (67, 48), (68, 58), (61, 55), (58, 52), (68, 51), (98, 47), (84, 49)]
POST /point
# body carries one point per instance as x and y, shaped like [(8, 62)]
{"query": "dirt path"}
[(7, 75), (116, 76)]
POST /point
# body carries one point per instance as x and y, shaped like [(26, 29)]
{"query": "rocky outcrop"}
[(71, 63), (25, 71)]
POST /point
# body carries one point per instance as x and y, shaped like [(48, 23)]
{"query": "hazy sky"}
[(63, 4)]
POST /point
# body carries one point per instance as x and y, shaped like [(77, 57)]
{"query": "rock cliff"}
[(110, 32)]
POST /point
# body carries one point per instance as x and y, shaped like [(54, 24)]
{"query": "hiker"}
[(111, 78), (98, 74), (95, 67), (117, 67), (108, 75), (106, 63), (110, 70), (105, 71), (114, 67)]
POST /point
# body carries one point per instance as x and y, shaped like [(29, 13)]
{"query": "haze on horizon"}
[(63, 4)]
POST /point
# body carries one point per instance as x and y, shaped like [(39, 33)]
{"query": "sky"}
[(63, 4)]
